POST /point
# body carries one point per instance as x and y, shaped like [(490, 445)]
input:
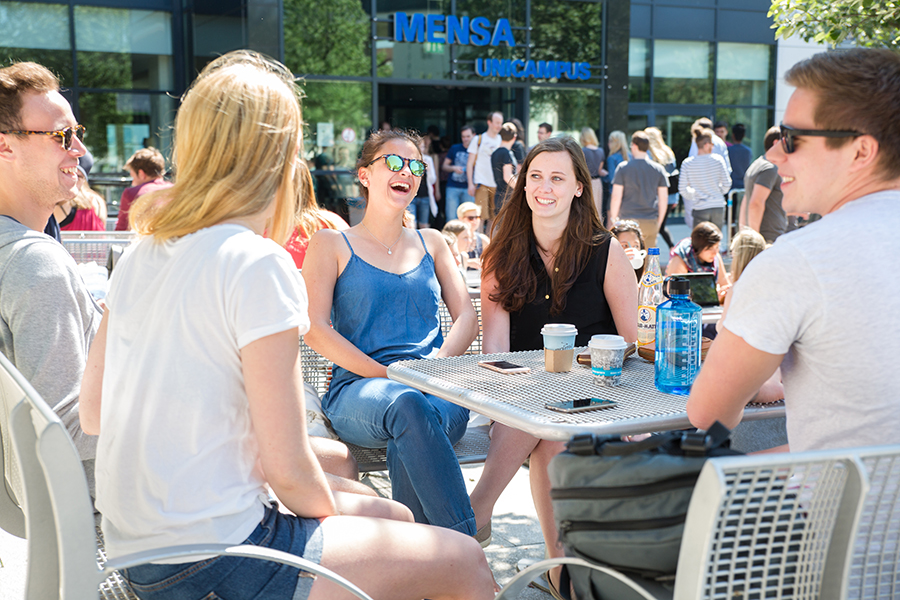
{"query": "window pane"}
[(219, 27), (745, 74), (38, 26), (682, 72), (327, 38), (25, 37), (676, 130), (337, 116), (119, 124), (120, 48), (638, 70), (567, 110)]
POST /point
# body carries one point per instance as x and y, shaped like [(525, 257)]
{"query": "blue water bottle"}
[(678, 333)]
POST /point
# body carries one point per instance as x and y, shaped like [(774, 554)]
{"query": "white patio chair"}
[(58, 517), (778, 526)]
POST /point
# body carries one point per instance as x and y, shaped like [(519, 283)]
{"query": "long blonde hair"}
[(588, 137), (617, 143), (659, 151), (744, 248), (237, 137)]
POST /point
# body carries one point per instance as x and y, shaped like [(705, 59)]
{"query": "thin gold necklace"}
[(379, 241)]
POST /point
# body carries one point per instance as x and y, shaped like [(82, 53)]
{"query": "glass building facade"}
[(439, 64)]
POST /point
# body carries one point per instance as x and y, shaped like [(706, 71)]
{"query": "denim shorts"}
[(236, 578)]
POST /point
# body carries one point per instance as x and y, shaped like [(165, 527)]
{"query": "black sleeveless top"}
[(586, 305)]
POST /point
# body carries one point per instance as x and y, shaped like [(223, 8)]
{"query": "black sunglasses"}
[(65, 135), (789, 133), (395, 163)]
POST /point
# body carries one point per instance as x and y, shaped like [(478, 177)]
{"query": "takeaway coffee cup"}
[(637, 258), (559, 346), (607, 355)]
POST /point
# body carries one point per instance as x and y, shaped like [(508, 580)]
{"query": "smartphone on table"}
[(503, 366), (580, 405)]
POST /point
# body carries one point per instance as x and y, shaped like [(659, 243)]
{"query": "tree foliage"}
[(874, 23)]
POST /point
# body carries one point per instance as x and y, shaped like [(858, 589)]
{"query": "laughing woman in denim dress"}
[(379, 285)]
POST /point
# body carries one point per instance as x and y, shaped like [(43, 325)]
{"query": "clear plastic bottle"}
[(649, 296), (678, 335)]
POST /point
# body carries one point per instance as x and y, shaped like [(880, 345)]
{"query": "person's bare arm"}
[(663, 194), (90, 398), (320, 271), (757, 206), (494, 319), (273, 380), (508, 173), (620, 292), (470, 170), (676, 266), (449, 167), (615, 204), (455, 295), (721, 391)]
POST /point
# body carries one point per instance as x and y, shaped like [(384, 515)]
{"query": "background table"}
[(518, 400)]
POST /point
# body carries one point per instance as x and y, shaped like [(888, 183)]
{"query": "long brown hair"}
[(508, 257)]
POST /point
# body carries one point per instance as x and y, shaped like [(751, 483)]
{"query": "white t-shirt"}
[(830, 301), (483, 146), (177, 460)]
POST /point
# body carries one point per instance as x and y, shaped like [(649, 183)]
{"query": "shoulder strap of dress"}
[(419, 233), (348, 242)]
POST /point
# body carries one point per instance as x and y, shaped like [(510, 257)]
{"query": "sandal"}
[(483, 536)]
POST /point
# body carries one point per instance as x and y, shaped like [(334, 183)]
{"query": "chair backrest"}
[(58, 515), (12, 518), (874, 563), (772, 526)]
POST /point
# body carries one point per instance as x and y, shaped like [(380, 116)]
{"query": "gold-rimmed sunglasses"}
[(65, 135)]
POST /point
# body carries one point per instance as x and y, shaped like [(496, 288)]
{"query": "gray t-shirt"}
[(48, 320), (831, 309), (641, 179), (774, 220)]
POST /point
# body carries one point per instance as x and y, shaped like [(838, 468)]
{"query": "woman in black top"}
[(550, 261)]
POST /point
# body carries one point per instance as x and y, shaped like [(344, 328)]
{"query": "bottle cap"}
[(653, 251), (678, 286)]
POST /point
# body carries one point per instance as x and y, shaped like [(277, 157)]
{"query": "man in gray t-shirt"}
[(640, 191), (47, 317), (761, 209)]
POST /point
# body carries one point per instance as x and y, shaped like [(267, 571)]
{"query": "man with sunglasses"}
[(822, 302), (47, 317)]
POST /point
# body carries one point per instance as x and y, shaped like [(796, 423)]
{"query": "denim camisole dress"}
[(387, 316)]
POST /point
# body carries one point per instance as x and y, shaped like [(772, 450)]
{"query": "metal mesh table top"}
[(518, 400)]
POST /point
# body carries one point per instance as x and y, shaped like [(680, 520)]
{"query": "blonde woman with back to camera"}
[(202, 404)]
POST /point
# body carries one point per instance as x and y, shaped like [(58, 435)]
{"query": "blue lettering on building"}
[(523, 69), (440, 29), (477, 31)]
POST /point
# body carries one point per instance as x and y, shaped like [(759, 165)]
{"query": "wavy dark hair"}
[(508, 257)]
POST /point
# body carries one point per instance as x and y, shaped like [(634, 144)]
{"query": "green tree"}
[(874, 23)]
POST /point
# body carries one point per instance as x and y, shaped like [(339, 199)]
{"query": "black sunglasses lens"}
[(787, 141), (79, 131)]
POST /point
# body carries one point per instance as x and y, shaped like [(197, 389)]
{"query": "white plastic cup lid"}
[(559, 329), (608, 342)]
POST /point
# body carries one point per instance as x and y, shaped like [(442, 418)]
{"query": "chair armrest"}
[(247, 551), (523, 578)]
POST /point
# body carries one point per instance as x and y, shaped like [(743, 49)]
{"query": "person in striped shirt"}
[(704, 180)]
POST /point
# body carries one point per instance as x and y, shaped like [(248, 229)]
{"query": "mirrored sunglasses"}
[(395, 163)]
